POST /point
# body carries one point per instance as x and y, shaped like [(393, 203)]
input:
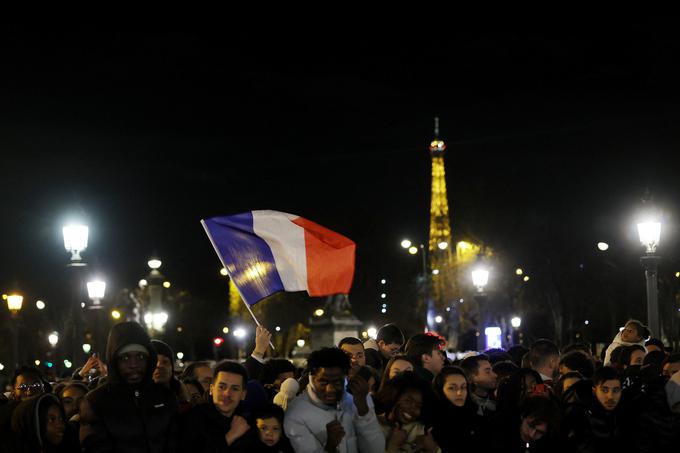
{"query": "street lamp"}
[(53, 338), (650, 235), (75, 240), (480, 277), (516, 322), (96, 290), (14, 304)]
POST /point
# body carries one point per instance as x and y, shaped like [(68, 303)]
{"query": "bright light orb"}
[(166, 285), (67, 363), (438, 319), (519, 271), (87, 347), (435, 271), (154, 263), (115, 314), (406, 243), (443, 245), (413, 250), (383, 295), (372, 332), (223, 272), (383, 281), (240, 332), (53, 338), (318, 312), (300, 343), (180, 355), (278, 329), (602, 246), (516, 322), (650, 234), (526, 278), (40, 305), (225, 329), (383, 310)]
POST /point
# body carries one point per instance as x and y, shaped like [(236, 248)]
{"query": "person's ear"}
[(381, 344), (245, 392), (425, 358)]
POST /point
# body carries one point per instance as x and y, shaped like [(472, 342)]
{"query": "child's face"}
[(269, 430)]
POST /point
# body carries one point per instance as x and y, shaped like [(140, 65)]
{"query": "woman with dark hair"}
[(404, 402), (395, 366), (457, 425)]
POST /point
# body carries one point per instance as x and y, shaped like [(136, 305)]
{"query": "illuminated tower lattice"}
[(440, 246)]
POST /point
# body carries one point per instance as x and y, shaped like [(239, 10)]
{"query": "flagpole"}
[(205, 227)]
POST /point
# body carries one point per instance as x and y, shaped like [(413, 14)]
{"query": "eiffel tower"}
[(441, 257)]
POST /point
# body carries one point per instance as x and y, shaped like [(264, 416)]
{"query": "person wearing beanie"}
[(129, 413), (164, 374)]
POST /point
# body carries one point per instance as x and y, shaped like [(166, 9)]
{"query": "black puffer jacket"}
[(118, 417), (29, 425)]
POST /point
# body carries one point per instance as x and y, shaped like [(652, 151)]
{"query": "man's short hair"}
[(269, 410), (471, 364), (274, 367), (576, 360), (27, 370), (390, 334), (606, 373), (541, 351), (420, 344), (190, 370), (350, 341), (328, 358), (577, 347), (655, 342), (227, 366)]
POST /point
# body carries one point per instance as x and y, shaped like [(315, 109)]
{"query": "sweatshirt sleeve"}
[(370, 435), (301, 438)]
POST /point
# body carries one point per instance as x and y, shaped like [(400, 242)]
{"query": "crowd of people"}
[(383, 395)]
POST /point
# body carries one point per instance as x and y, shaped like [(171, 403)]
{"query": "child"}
[(270, 436)]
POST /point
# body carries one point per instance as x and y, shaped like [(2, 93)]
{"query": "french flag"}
[(265, 252)]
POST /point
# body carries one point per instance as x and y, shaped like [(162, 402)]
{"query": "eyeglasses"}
[(27, 387)]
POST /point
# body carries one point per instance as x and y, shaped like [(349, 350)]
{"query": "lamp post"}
[(75, 242), (480, 278), (14, 304), (96, 290), (650, 234), (155, 317)]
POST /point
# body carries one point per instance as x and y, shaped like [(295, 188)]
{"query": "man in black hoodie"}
[(129, 413)]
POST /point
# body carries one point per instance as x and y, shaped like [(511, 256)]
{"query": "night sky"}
[(552, 133)]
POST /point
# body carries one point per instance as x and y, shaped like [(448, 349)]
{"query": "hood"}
[(163, 348), (121, 335), (26, 419)]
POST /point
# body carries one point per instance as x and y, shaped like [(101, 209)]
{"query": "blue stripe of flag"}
[(240, 249)]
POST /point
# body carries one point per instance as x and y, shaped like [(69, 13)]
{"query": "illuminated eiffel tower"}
[(441, 258)]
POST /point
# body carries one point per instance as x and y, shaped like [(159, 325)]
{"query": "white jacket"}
[(307, 417), (616, 342)]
